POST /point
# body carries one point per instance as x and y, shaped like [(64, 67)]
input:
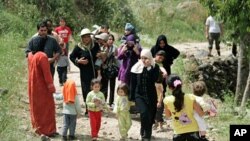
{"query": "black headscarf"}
[(171, 53), (38, 44)]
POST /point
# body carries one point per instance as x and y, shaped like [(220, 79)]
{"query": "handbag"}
[(110, 69)]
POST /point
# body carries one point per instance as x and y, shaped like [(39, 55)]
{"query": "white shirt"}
[(214, 26)]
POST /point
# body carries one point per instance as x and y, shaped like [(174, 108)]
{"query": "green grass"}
[(227, 114), (180, 25), (13, 74), (14, 121)]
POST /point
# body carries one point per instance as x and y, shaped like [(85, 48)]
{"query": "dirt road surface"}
[(109, 127)]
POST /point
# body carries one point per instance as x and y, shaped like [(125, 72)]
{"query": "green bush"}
[(11, 23)]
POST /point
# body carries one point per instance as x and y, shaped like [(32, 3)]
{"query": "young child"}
[(199, 89), (102, 54), (96, 104), (121, 110), (71, 109), (159, 57), (62, 65)]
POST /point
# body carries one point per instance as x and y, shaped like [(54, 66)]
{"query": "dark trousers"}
[(85, 88), (85, 85), (69, 123), (86, 78), (214, 37), (62, 74), (104, 89), (147, 115)]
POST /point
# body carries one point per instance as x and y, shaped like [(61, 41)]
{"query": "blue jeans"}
[(69, 122), (62, 74)]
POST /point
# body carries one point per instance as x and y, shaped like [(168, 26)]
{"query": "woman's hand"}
[(83, 61), (136, 50), (124, 48)]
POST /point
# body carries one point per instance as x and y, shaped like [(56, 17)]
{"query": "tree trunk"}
[(242, 72), (246, 93)]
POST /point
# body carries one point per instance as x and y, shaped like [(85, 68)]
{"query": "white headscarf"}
[(138, 67)]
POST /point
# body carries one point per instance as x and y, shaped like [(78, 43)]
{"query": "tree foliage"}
[(236, 16), (78, 13), (234, 13)]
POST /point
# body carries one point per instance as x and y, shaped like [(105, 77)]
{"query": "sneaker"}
[(94, 139)]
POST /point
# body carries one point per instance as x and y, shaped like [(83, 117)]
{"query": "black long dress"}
[(87, 72), (143, 92)]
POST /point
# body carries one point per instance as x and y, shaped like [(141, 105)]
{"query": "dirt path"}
[(200, 49), (109, 128)]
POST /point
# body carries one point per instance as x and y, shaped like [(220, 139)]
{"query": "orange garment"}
[(69, 91), (41, 89)]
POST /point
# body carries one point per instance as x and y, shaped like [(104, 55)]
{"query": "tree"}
[(236, 15)]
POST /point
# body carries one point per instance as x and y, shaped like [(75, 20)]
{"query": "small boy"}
[(159, 57), (71, 109), (62, 65), (199, 89)]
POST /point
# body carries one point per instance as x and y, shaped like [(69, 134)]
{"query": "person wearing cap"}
[(144, 75), (109, 62), (83, 56), (129, 30), (102, 54), (171, 53)]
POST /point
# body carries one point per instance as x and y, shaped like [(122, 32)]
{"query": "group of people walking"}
[(143, 75)]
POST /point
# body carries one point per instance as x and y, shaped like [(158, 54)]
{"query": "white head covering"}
[(138, 67), (85, 31), (103, 36)]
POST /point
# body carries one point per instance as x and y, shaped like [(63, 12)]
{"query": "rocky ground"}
[(109, 128)]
